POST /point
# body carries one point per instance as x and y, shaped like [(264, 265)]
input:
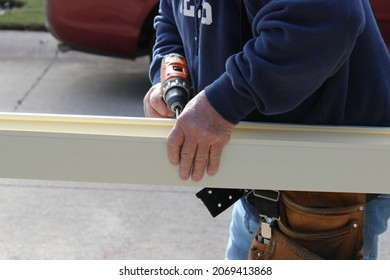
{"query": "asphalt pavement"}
[(73, 220)]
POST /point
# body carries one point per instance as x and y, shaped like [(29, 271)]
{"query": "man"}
[(309, 62)]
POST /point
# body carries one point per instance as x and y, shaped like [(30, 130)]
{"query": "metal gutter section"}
[(133, 151)]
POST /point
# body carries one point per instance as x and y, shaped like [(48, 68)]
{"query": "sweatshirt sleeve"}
[(168, 39), (297, 45)]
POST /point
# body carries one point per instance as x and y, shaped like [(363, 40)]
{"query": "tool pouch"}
[(315, 225)]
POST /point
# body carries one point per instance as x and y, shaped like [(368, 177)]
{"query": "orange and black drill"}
[(175, 81)]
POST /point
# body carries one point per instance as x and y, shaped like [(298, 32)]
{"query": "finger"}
[(159, 106), (154, 110), (175, 142), (146, 105), (200, 162), (214, 159), (187, 155), (148, 109), (154, 104), (151, 113)]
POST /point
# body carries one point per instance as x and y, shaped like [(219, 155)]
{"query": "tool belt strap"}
[(266, 202)]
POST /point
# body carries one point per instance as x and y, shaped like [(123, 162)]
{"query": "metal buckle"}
[(265, 233), (266, 228), (267, 197)]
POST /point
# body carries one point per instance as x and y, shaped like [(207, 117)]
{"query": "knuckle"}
[(201, 158), (214, 157), (186, 155)]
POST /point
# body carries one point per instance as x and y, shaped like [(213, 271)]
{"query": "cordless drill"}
[(175, 82)]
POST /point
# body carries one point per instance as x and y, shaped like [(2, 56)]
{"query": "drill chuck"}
[(176, 94)]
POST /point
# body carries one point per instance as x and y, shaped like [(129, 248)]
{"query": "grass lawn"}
[(29, 17)]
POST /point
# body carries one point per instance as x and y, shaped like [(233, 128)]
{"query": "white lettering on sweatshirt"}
[(206, 14)]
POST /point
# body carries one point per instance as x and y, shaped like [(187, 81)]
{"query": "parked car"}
[(382, 12), (124, 28)]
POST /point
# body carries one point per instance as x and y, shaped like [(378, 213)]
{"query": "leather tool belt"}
[(299, 225), (310, 225)]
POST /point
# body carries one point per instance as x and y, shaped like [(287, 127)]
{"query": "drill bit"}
[(177, 112)]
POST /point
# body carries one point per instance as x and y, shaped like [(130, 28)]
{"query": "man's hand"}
[(154, 104), (197, 139)]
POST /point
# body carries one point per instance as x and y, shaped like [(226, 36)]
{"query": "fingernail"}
[(196, 178), (184, 177)]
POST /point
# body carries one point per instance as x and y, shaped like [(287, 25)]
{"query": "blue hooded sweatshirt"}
[(309, 61)]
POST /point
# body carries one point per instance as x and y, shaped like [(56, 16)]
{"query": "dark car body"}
[(382, 12), (124, 28)]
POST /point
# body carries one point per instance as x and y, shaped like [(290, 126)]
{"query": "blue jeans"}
[(244, 226)]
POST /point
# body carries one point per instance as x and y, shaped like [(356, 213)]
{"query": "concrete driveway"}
[(71, 220)]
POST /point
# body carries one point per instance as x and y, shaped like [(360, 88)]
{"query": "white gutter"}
[(133, 150)]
